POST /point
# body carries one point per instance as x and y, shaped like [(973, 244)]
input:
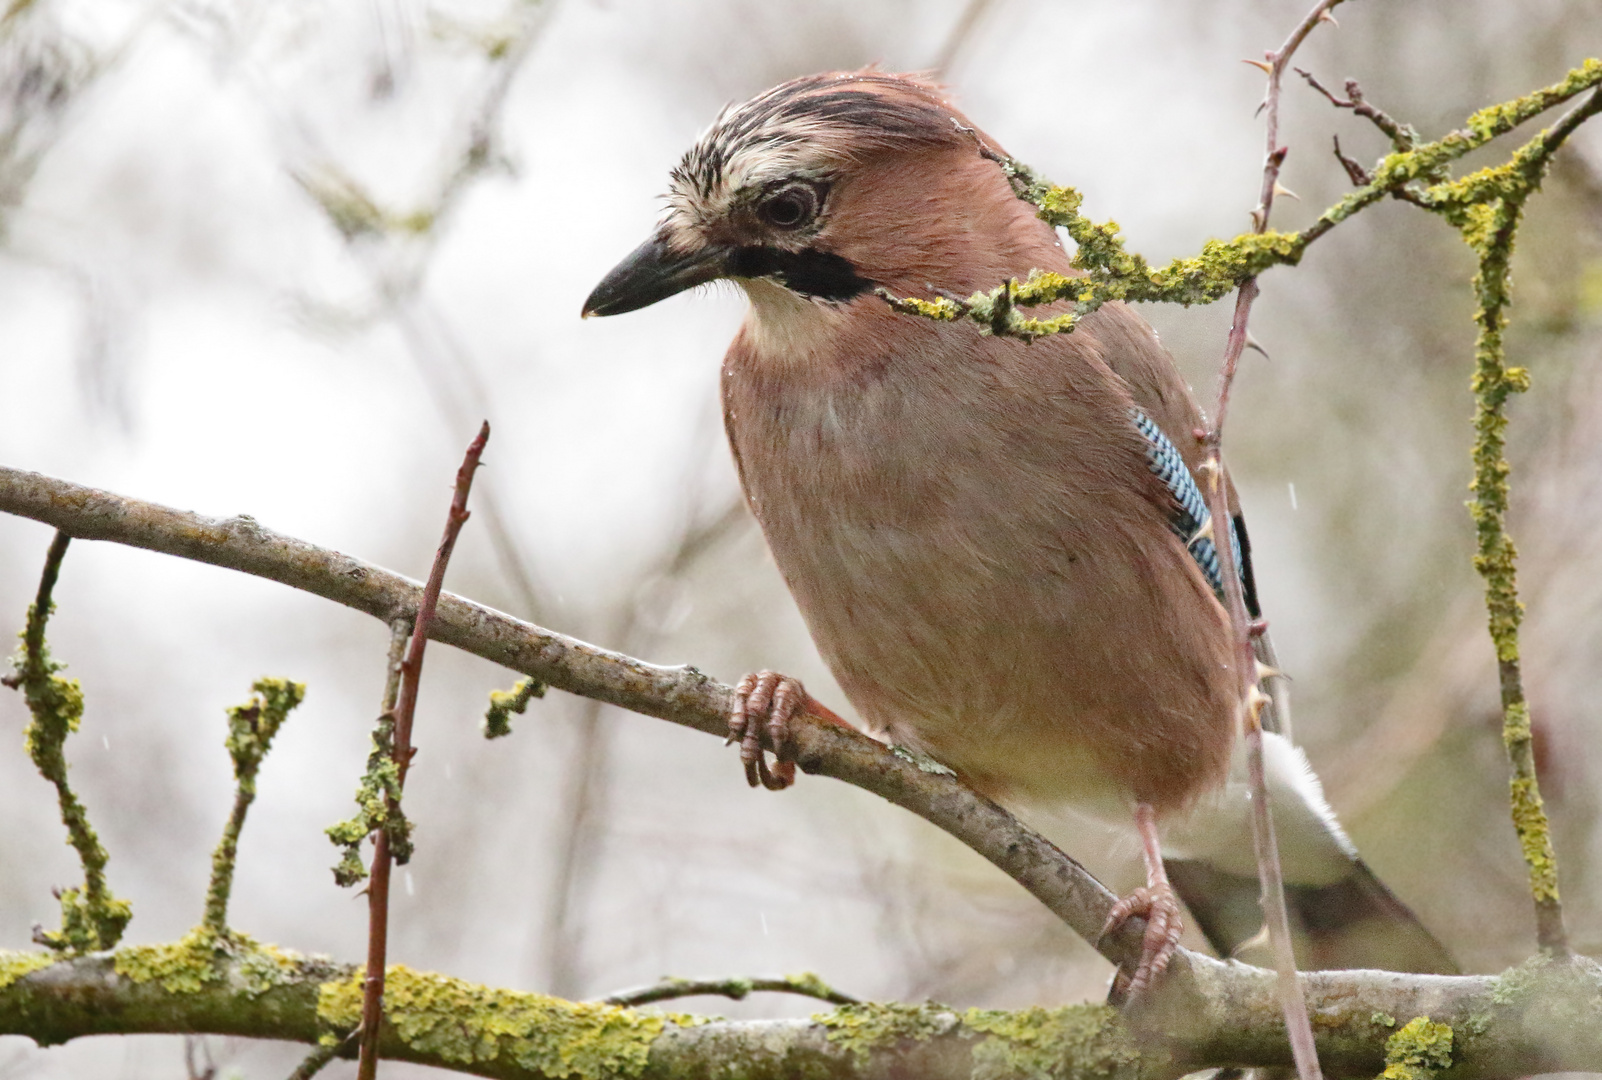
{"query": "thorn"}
[(1266, 67), (1208, 466), (1256, 346), (1258, 219), (1258, 628), (1266, 672), (1255, 700), (1327, 16), (1258, 940), (1203, 533), (1281, 189)]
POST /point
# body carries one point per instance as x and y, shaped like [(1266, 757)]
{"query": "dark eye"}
[(790, 207)]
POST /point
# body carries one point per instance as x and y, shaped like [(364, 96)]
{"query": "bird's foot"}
[(1157, 904), (767, 701)]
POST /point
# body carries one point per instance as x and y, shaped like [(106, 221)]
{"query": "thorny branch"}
[(405, 709), (1276, 918)]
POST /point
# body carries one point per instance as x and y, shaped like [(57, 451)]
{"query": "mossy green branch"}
[(1111, 273), (91, 917), (1544, 1016), (251, 728), (378, 807), (1486, 208), (503, 703)]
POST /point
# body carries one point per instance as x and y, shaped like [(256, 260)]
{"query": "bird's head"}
[(822, 188)]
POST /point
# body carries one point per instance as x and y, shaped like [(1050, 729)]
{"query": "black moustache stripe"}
[(822, 275)]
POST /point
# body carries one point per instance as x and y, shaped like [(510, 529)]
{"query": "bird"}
[(999, 547)]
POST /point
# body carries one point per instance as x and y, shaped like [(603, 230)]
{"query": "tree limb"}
[(1545, 1016), (680, 694)]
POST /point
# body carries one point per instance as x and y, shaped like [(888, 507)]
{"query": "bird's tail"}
[(1342, 915)]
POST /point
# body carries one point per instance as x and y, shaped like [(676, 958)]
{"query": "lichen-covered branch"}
[(1486, 208), (1544, 1016), (1111, 273), (91, 917), (806, 984), (251, 728), (681, 695)]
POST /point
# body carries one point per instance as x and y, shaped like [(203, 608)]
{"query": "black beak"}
[(653, 271)]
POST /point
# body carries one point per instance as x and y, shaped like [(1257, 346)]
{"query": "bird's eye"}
[(790, 207)]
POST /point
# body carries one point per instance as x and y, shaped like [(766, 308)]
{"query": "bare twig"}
[(1402, 136), (1275, 916), (807, 985), (681, 695), (405, 708)]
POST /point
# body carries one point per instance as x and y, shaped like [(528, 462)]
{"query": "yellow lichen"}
[(1418, 1050), (463, 1023), (14, 965), (1529, 818), (1070, 1043), (201, 958), (869, 1026)]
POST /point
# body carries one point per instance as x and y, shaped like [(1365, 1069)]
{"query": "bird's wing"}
[(1190, 516)]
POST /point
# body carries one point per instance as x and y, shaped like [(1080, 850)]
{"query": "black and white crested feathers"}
[(807, 121)]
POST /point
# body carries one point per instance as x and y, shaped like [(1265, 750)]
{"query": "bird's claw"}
[(766, 700), (1157, 904)]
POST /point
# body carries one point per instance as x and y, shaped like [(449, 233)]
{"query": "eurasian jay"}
[(993, 543)]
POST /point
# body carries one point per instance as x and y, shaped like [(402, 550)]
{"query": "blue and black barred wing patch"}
[(1190, 515)]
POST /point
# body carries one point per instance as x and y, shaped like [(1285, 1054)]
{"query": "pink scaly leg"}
[(1156, 903), (770, 701)]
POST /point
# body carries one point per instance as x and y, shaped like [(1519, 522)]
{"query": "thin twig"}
[(807, 985), (91, 917), (323, 1053), (679, 694), (251, 729), (1402, 136), (405, 708), (1275, 915)]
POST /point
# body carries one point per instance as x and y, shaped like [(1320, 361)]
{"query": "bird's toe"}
[(766, 701)]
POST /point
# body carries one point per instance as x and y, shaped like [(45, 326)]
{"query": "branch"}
[(807, 985), (681, 694), (401, 752), (91, 917), (251, 729), (1544, 1016), (1111, 273)]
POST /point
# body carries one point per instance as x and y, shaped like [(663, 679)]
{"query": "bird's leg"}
[(1155, 902)]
